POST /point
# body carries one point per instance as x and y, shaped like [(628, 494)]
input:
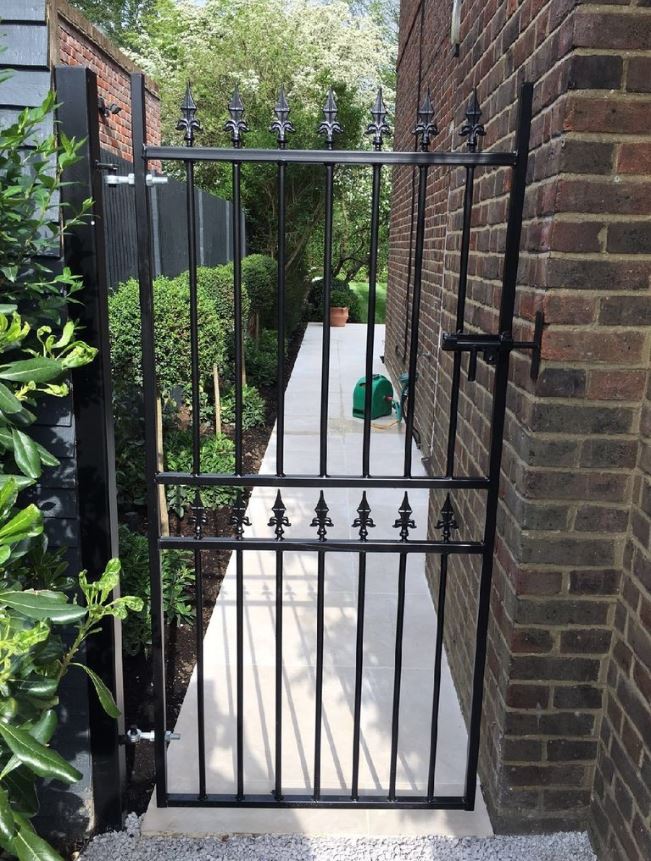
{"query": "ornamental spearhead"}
[(379, 127), (321, 521), (188, 124), (404, 522), (426, 128), (364, 521), (447, 520), (198, 517), (236, 124), (472, 128), (279, 519), (329, 125), (281, 125), (238, 519)]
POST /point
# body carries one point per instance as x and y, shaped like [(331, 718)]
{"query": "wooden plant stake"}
[(162, 498)]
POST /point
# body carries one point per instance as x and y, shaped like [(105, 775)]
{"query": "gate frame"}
[(495, 348)]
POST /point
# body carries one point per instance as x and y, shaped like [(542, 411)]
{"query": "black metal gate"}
[(494, 348)]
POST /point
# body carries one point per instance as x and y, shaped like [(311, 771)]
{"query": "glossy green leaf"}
[(40, 759), (40, 370), (103, 693), (9, 403), (22, 791), (25, 524), (29, 846), (7, 823), (42, 605), (26, 454)]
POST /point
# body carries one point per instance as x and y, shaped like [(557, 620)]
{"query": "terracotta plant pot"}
[(338, 316)]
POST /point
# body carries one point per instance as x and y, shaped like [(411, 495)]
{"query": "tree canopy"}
[(306, 46)]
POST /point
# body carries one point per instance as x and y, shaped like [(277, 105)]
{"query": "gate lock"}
[(134, 735), (491, 345)]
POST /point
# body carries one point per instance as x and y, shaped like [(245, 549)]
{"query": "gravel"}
[(128, 845)]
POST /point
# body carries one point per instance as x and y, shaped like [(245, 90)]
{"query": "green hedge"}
[(172, 332), (260, 275)]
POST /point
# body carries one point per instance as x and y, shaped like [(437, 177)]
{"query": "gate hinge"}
[(490, 346), (134, 735)]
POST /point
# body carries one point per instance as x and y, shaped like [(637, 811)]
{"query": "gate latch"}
[(490, 346), (134, 735)]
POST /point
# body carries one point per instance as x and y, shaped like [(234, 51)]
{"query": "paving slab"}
[(299, 643)]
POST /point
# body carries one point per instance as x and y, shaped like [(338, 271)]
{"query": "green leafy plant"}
[(341, 296), (31, 165), (38, 349), (178, 584), (262, 359), (217, 455), (260, 275), (172, 334), (254, 410)]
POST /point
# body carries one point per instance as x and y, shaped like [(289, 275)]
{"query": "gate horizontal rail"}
[(325, 481), (332, 157), (496, 347), (333, 545)]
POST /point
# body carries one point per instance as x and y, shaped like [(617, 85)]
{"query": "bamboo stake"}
[(218, 404), (162, 498)]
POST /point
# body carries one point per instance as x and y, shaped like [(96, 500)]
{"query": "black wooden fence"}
[(170, 252)]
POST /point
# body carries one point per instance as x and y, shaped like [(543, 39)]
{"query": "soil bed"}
[(180, 641)]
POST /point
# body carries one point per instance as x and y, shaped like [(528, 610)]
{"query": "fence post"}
[(85, 254)]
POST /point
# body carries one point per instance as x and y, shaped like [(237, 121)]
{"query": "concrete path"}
[(299, 644)]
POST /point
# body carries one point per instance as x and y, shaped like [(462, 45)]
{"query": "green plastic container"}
[(381, 397)]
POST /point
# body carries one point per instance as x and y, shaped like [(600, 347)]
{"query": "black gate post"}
[(84, 253)]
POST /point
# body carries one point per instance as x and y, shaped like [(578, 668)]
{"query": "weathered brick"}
[(599, 582), (625, 311), (578, 697), (596, 518), (615, 385), (545, 775), (629, 238), (527, 696), (638, 76), (586, 641), (561, 382), (580, 346), (609, 29), (596, 72), (533, 668)]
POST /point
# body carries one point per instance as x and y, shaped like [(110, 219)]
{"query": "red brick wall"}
[(572, 560), (78, 42)]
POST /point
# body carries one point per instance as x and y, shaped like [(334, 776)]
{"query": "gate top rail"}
[(318, 156)]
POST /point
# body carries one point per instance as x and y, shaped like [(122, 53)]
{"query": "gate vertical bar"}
[(397, 679), (449, 468), (370, 323), (325, 352), (415, 315), (196, 466), (500, 384), (318, 717), (143, 236), (239, 561), (359, 668)]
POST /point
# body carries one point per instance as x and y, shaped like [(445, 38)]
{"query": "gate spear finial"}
[(282, 124), (321, 520), (404, 522), (279, 519), (236, 124), (379, 127), (426, 128), (447, 520), (472, 128), (329, 125), (238, 519), (364, 521), (188, 123)]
